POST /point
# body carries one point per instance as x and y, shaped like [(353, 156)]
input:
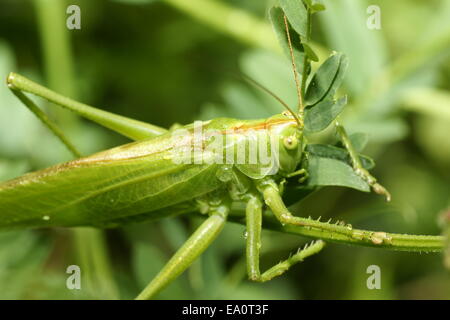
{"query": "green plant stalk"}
[(305, 65), (89, 243), (93, 255), (56, 52), (304, 76)]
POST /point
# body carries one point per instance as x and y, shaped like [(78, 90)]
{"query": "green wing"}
[(120, 183)]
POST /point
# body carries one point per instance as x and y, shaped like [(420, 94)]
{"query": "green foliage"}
[(162, 76), (277, 18), (327, 79), (359, 140), (320, 116), (331, 166), (331, 172), (297, 14), (332, 152)]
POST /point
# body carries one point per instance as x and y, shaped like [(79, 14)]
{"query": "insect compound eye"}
[(290, 142)]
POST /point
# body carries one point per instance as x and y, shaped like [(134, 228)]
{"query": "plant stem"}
[(305, 66), (294, 69), (92, 254), (89, 243), (57, 53)]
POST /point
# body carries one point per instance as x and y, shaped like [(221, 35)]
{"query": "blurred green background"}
[(175, 61)]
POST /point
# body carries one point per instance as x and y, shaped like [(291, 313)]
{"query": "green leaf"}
[(332, 152), (332, 172), (277, 18), (310, 52), (297, 15), (359, 140), (327, 79), (337, 81), (321, 115), (316, 7)]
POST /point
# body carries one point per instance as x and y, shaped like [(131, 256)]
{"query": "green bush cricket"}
[(148, 180)]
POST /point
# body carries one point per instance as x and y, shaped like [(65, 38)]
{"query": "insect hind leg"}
[(197, 243), (47, 122), (133, 129)]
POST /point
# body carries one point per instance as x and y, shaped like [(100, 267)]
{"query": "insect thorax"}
[(256, 147)]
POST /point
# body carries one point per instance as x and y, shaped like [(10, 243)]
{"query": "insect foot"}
[(10, 80), (372, 181), (379, 189), (302, 173)]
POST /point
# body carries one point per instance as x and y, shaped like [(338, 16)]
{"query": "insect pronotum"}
[(203, 166)]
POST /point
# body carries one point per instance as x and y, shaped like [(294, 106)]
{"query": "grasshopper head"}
[(290, 148)]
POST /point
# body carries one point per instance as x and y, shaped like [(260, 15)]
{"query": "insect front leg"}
[(302, 173), (190, 250), (272, 197), (254, 223), (357, 166)]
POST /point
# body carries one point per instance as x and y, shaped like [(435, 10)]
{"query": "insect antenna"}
[(294, 67), (271, 93)]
